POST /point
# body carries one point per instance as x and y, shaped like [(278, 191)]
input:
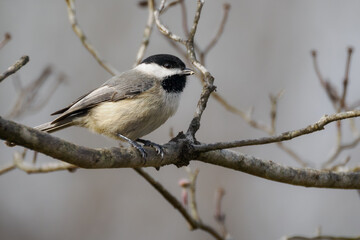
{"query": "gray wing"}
[(126, 85)]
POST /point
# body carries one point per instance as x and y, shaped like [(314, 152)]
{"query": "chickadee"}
[(130, 105)]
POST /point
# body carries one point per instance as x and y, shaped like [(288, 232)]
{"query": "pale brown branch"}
[(147, 33), (184, 18), (220, 31), (192, 190), (168, 6), (44, 168), (328, 87), (80, 33), (346, 79), (164, 30), (15, 67), (319, 125), (8, 167)]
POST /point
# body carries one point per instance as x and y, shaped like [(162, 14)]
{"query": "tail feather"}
[(50, 127)]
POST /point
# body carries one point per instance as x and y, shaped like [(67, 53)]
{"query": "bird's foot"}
[(158, 148), (137, 146)]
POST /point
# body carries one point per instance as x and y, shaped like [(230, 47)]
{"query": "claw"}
[(137, 146), (158, 148)]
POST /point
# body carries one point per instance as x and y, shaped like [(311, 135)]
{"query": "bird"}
[(130, 105)]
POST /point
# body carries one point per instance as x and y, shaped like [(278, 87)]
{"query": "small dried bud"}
[(184, 183), (313, 53), (143, 3)]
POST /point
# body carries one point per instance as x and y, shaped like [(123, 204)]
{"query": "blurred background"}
[(265, 48)]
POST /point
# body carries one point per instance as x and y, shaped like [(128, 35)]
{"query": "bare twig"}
[(193, 223), (162, 27), (346, 79), (28, 94), (8, 167), (319, 125), (80, 33), (49, 94), (168, 6), (7, 38), (219, 215), (329, 88), (184, 18), (15, 67), (44, 168), (147, 33), (192, 190), (219, 33)]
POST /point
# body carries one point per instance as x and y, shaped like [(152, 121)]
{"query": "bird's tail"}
[(50, 127)]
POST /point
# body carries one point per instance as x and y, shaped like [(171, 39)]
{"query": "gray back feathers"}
[(127, 85)]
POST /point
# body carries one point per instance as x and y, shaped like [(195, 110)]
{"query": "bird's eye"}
[(167, 65)]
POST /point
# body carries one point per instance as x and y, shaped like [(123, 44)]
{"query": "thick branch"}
[(179, 151), (272, 171), (82, 156)]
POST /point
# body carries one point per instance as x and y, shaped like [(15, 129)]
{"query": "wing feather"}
[(129, 84)]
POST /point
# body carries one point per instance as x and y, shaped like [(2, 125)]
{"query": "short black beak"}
[(188, 71)]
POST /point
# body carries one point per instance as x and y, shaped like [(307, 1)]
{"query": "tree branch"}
[(147, 33), (178, 151), (193, 223), (80, 33), (272, 171), (319, 125), (15, 67)]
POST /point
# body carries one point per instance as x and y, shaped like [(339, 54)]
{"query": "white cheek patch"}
[(155, 70)]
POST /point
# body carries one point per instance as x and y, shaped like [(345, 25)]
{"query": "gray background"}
[(265, 48)]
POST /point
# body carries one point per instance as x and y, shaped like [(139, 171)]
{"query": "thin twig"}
[(328, 87), (346, 79), (339, 149), (146, 34), (28, 94), (168, 6), (184, 18), (219, 215), (80, 33), (49, 94), (319, 125), (164, 30), (192, 190), (193, 224), (7, 38), (44, 168), (219, 33), (15, 67), (8, 167)]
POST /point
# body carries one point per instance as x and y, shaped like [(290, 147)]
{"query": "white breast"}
[(133, 117)]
